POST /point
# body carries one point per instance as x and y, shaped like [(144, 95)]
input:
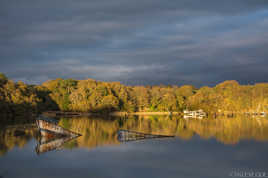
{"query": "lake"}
[(223, 147)]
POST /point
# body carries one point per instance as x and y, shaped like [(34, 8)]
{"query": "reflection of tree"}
[(230, 131), (96, 132), (103, 131), (9, 139)]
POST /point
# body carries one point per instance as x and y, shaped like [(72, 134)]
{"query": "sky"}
[(141, 42)]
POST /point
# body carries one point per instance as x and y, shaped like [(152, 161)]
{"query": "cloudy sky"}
[(199, 42)]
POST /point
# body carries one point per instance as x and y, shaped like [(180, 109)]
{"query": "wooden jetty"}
[(199, 114), (127, 135)]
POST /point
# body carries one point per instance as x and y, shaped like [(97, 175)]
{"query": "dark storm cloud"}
[(136, 42)]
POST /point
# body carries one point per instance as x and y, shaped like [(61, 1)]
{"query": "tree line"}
[(104, 97), (17, 98)]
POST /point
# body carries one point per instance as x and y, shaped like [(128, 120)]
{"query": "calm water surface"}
[(200, 148)]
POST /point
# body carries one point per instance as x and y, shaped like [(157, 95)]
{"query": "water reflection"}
[(16, 135), (103, 131), (47, 144)]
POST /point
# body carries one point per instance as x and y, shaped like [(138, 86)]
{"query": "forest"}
[(17, 98)]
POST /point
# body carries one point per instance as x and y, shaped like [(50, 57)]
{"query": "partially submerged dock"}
[(127, 135)]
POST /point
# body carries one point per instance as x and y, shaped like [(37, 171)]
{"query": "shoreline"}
[(117, 113), (144, 113), (124, 114)]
